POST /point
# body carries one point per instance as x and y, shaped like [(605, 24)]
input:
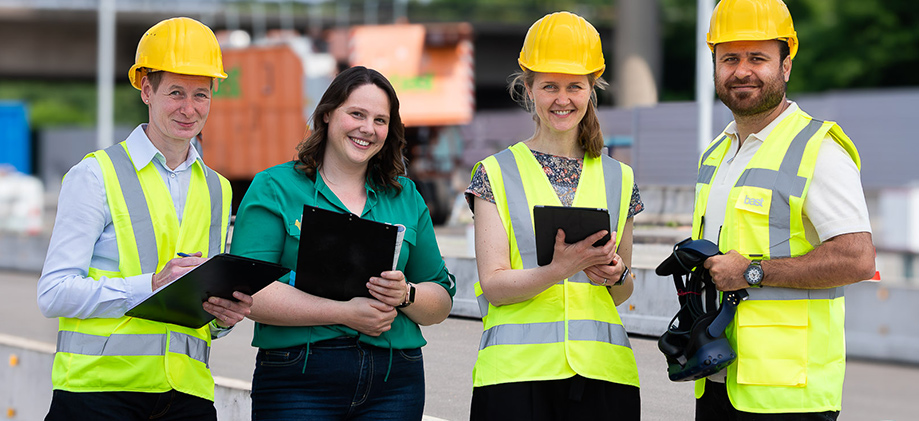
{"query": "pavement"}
[(873, 390)]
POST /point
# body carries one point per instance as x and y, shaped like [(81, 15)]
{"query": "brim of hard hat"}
[(188, 70), (792, 45), (565, 67)]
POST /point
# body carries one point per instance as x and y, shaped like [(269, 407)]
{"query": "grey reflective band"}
[(86, 344), (580, 278), (706, 172), (483, 304), (784, 184), (216, 193), (194, 348), (554, 332), (518, 208), (132, 345), (138, 210), (612, 178), (773, 293), (593, 330)]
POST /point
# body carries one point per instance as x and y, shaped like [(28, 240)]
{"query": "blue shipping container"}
[(15, 141)]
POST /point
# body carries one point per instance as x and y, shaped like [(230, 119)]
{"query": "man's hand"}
[(727, 270), (228, 312), (175, 268)]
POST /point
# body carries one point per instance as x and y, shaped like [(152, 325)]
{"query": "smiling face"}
[(560, 100), (178, 107), (358, 128), (749, 76)]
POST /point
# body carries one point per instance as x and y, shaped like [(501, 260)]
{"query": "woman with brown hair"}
[(357, 359)]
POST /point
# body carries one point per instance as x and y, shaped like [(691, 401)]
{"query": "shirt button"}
[(172, 175)]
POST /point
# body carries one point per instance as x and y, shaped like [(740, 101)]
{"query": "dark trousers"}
[(575, 398), (129, 406), (714, 405)]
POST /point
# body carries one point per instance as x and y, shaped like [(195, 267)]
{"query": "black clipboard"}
[(578, 224), (340, 252), (179, 302)]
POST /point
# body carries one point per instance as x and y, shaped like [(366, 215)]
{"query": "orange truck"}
[(260, 113)]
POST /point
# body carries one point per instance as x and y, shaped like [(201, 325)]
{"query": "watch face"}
[(754, 274)]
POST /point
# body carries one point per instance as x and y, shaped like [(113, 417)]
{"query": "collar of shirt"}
[(321, 188), (143, 152), (760, 136)]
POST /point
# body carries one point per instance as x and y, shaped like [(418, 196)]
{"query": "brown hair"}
[(590, 136), (387, 165)]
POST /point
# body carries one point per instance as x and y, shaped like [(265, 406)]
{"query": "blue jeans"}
[(338, 379)]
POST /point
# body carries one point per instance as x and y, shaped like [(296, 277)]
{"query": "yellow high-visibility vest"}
[(128, 354), (573, 326), (790, 343)]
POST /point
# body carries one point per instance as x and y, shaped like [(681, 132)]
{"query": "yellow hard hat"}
[(178, 45), (562, 42), (752, 20)]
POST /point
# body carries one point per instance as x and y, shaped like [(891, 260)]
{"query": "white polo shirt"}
[(834, 205)]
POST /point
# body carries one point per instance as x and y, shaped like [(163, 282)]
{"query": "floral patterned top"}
[(563, 173)]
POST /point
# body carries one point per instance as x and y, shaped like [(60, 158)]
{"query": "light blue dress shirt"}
[(84, 237)]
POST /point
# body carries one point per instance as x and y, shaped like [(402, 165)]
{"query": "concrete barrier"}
[(25, 391), (880, 319)]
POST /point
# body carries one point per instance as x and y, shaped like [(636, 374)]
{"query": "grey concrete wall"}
[(25, 389)]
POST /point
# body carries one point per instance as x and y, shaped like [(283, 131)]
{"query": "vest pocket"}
[(772, 343), (752, 220)]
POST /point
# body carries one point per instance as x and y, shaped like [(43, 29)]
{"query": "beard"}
[(771, 94)]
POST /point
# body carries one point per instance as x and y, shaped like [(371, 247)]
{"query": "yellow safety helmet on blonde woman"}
[(752, 20), (562, 42), (178, 45)]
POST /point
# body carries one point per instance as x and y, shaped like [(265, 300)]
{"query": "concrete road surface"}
[(873, 390)]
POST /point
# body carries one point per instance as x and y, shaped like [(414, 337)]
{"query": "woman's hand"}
[(569, 259), (390, 287), (605, 274), (369, 316), (175, 268)]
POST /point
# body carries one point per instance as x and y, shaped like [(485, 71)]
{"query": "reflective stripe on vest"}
[(141, 221), (553, 332), (128, 345)]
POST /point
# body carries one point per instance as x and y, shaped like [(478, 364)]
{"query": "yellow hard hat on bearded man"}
[(752, 20), (562, 42), (178, 45)]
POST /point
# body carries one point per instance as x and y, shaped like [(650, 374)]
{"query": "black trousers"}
[(129, 406), (714, 405), (576, 398)]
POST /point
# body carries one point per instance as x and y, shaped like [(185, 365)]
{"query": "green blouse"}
[(268, 228)]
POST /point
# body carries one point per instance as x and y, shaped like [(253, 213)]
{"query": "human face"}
[(749, 77), (358, 127), (178, 108), (560, 100)]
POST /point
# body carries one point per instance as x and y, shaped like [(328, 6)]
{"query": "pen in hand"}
[(183, 254)]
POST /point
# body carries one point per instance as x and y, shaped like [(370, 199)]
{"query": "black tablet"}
[(179, 302), (578, 224)]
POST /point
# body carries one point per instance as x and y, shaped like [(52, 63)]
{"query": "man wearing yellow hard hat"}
[(124, 214), (780, 193)]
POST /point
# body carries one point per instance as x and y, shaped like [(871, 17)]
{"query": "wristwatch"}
[(754, 273), (625, 272), (410, 298)]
